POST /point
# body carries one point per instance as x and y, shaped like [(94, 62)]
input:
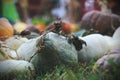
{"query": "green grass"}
[(75, 72), (79, 72), (67, 73)]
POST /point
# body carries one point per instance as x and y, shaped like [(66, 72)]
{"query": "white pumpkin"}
[(14, 68), (96, 47), (110, 42), (6, 52), (116, 37), (26, 50), (19, 26), (15, 42), (116, 34)]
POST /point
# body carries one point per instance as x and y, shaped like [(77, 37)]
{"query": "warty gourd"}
[(48, 50)]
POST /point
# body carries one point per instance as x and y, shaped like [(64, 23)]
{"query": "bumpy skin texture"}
[(52, 49)]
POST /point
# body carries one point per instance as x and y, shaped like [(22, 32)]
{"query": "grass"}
[(80, 72), (75, 72)]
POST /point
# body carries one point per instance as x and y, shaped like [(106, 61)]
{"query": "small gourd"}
[(6, 29)]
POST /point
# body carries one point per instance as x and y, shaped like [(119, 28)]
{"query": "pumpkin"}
[(20, 26), (6, 29), (6, 52), (103, 23), (40, 27), (48, 50), (116, 37), (10, 69), (109, 65), (98, 45), (67, 27), (15, 42), (109, 61), (116, 34)]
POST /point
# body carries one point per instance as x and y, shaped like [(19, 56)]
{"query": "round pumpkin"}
[(103, 23), (20, 26), (41, 27), (67, 27), (108, 62), (6, 29)]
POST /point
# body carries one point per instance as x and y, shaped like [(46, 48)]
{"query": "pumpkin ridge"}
[(95, 18), (89, 21)]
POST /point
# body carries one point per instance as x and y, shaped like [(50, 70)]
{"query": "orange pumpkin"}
[(41, 27), (6, 29), (67, 27)]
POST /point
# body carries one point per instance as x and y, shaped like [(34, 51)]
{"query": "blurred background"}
[(43, 12), (22, 10)]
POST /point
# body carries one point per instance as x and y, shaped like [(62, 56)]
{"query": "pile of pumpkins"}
[(41, 53), (12, 43)]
